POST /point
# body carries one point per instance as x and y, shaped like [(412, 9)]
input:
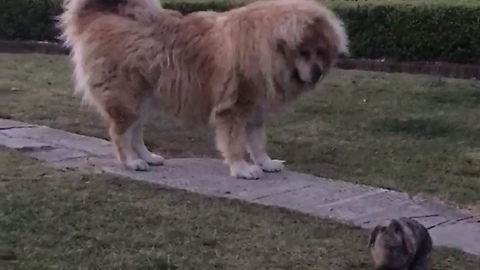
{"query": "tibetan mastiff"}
[(227, 69)]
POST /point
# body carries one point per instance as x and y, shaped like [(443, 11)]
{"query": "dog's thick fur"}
[(227, 68), (401, 244)]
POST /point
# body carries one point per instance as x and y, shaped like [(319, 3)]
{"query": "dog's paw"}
[(272, 165), (245, 171), (137, 165), (154, 160)]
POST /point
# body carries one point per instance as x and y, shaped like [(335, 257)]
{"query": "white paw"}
[(272, 165), (243, 170), (137, 165), (154, 160)]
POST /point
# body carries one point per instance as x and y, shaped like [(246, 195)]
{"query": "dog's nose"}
[(316, 73)]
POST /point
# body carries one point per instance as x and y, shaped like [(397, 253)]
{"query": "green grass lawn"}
[(65, 220), (396, 131)]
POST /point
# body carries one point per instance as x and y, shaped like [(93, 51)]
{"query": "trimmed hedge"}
[(29, 19), (393, 31), (449, 33)]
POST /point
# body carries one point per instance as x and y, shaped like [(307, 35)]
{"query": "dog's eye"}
[(305, 54)]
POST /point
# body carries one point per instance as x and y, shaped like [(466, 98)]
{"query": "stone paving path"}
[(355, 204)]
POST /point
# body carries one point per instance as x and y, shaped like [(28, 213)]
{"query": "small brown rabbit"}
[(401, 244)]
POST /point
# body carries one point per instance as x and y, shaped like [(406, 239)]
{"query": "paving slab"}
[(410, 209), (367, 205), (207, 176), (24, 144), (93, 146), (58, 154), (88, 164), (315, 198), (361, 205), (464, 236), (8, 124), (3, 137), (452, 213)]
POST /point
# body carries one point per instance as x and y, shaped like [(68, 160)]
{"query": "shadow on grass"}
[(423, 127), (469, 98)]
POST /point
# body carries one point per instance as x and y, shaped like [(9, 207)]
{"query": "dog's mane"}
[(281, 20)]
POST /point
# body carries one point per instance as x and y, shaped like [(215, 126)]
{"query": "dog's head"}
[(320, 43)]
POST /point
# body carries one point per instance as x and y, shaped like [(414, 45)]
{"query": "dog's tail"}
[(120, 7), (75, 13), (94, 5)]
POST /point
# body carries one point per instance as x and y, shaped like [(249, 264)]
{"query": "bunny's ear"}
[(408, 239), (373, 236)]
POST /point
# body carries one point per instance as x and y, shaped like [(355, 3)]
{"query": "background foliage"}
[(409, 30)]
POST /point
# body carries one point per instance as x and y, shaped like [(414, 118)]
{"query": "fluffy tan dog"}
[(227, 69)]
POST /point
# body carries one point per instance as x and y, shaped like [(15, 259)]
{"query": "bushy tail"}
[(74, 10), (137, 9), (79, 6)]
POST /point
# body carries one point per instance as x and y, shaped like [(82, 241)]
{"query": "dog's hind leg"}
[(123, 113), (230, 137), (121, 136), (257, 142), (138, 141)]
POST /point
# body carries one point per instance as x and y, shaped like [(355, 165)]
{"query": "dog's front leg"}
[(230, 137), (256, 146)]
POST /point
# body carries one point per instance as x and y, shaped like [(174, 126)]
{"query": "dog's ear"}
[(373, 236), (285, 50)]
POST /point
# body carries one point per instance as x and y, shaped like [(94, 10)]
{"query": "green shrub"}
[(448, 33), (29, 19), (401, 31), (189, 7)]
